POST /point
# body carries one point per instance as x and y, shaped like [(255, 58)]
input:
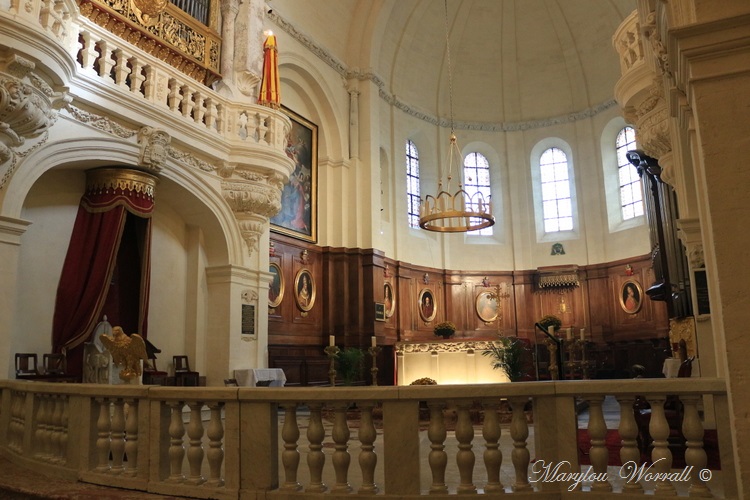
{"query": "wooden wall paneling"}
[(599, 313), (526, 309)]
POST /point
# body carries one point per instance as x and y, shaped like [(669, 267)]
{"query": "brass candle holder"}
[(332, 352), (374, 351)]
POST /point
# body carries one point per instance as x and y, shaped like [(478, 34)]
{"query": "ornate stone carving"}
[(252, 196), (100, 122), (189, 160), (251, 231), (697, 261), (476, 346), (153, 144), (28, 106), (249, 296)]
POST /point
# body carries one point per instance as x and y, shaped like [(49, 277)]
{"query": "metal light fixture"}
[(459, 212)]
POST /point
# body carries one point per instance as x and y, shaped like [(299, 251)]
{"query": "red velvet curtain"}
[(90, 262)]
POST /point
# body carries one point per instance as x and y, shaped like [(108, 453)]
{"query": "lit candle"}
[(373, 341), (569, 333), (583, 334), (331, 340)]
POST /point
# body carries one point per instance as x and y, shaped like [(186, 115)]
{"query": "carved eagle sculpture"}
[(127, 352)]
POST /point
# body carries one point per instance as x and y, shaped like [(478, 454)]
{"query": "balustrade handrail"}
[(205, 441)]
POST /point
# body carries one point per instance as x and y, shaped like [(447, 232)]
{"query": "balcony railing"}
[(247, 442)]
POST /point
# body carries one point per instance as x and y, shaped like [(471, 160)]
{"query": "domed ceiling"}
[(512, 60)]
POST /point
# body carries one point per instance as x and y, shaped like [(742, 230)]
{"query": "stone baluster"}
[(661, 456), (598, 454), (56, 427), (493, 457), (88, 52), (64, 419), (316, 458), (519, 431), (215, 445), (341, 458), (105, 60), (630, 455), (175, 97), (117, 436), (50, 430), (695, 455), (150, 86), (437, 458), (187, 101), (368, 460), (195, 451), (13, 423), (136, 76), (262, 133), (210, 114), (121, 69), (131, 437), (176, 448), (222, 125), (290, 456), (42, 442), (200, 109), (18, 421), (465, 457), (102, 440)]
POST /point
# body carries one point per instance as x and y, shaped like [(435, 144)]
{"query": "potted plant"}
[(446, 329), (350, 364), (507, 354)]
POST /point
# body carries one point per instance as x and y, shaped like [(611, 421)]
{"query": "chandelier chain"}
[(450, 72)]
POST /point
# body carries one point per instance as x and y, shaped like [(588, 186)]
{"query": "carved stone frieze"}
[(153, 144), (473, 345), (100, 122), (189, 159)]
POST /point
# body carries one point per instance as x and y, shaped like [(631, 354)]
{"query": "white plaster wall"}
[(51, 206)]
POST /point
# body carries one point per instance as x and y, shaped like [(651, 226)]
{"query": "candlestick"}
[(332, 352), (331, 340), (373, 341), (374, 350)]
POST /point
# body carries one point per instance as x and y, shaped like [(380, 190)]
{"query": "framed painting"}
[(299, 197), (631, 296), (389, 300), (486, 307), (276, 287), (427, 306), (304, 290)]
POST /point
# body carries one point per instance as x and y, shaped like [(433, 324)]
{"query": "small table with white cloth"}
[(260, 377)]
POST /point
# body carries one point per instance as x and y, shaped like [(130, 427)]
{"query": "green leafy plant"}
[(350, 364), (507, 354), (444, 329)]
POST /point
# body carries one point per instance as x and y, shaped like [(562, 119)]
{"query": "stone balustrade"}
[(245, 442)]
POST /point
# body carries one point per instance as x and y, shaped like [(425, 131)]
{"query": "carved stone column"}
[(229, 10)]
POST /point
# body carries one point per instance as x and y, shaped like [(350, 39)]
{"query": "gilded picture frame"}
[(389, 299), (304, 290), (486, 307), (631, 296), (276, 286), (298, 216), (427, 306)]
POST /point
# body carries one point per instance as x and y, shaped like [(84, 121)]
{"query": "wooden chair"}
[(26, 365), (54, 364), (184, 376)]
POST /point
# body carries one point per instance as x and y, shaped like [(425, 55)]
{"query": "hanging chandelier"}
[(457, 212)]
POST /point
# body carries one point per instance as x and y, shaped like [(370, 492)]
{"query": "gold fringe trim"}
[(103, 179)]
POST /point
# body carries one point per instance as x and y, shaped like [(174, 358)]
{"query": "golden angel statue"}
[(127, 352)]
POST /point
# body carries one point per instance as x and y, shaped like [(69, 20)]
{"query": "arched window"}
[(477, 180), (412, 184), (557, 206), (631, 195)]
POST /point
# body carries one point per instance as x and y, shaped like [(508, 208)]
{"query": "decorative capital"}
[(251, 230)]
